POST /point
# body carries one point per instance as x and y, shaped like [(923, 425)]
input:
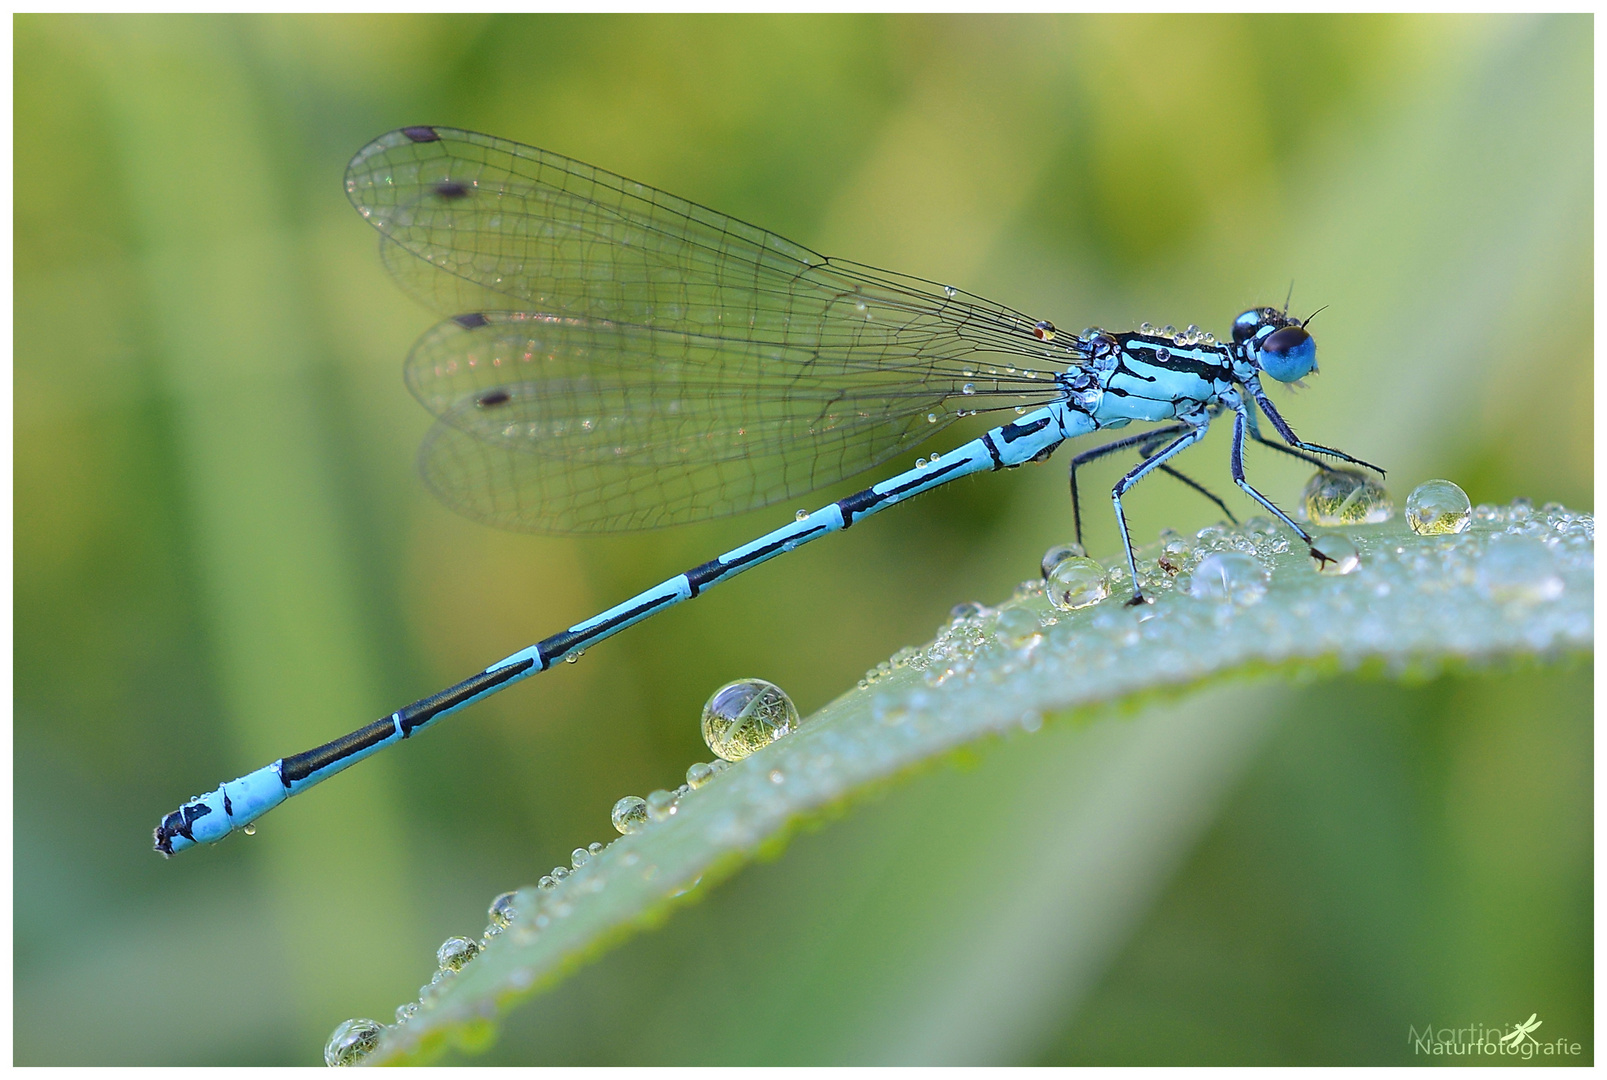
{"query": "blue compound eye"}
[(1288, 354)]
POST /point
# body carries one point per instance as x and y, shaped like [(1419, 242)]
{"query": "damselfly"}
[(618, 358)]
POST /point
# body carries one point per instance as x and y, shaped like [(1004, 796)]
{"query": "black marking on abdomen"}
[(555, 646), (421, 134), (228, 807), (861, 503), (699, 576), (471, 321), (305, 764), (1012, 432), (422, 712), (179, 823), (993, 451)]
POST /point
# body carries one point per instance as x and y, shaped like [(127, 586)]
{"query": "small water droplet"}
[(802, 515), (1076, 582), (1332, 553), (1031, 720), (968, 610), (777, 777), (579, 857), (455, 952), (548, 882), (352, 1042), (1162, 355), (920, 463), (1016, 627), (560, 872), (250, 830), (1146, 328), (931, 418), (699, 774), (1028, 589), (968, 389), (660, 805), (501, 911), (1344, 497), (1228, 576), (950, 291), (595, 848), (629, 814), (1438, 507), (745, 715), (572, 657), (404, 1013), (1059, 554)]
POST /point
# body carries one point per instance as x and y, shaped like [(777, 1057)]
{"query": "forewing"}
[(496, 225), (622, 358)]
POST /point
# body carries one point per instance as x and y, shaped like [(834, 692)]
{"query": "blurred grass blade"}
[(1517, 585)]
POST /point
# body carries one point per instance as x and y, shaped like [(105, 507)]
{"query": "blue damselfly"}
[(618, 358)]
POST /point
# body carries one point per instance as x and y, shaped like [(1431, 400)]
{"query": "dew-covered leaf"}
[(1516, 585)]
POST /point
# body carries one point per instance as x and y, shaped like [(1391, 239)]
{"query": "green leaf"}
[(1516, 585)]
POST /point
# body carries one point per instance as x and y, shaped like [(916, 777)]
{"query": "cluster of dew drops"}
[(740, 717), (1227, 566), (1216, 564)]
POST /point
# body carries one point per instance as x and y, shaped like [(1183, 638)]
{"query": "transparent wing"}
[(560, 424), (706, 352)]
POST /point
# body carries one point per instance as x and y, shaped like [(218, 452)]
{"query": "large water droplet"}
[(629, 814), (1229, 576), (1076, 582), (660, 805), (501, 911), (1016, 627), (352, 1042), (1059, 554), (455, 952), (1345, 497), (746, 715), (1438, 507), (1334, 554)]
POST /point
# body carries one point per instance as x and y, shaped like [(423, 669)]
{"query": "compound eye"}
[(1288, 354), (1245, 326)]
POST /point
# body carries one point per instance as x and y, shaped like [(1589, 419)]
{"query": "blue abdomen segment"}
[(209, 818)]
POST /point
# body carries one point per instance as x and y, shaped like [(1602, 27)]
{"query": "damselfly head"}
[(1287, 354)]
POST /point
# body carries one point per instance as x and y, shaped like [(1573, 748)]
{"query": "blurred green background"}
[(222, 553)]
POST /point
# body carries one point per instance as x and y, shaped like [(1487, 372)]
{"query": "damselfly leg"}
[(1147, 442)]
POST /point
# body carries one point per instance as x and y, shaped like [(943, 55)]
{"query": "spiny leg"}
[(1126, 483), (1147, 443), (1104, 451), (1240, 421), (1295, 441)]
